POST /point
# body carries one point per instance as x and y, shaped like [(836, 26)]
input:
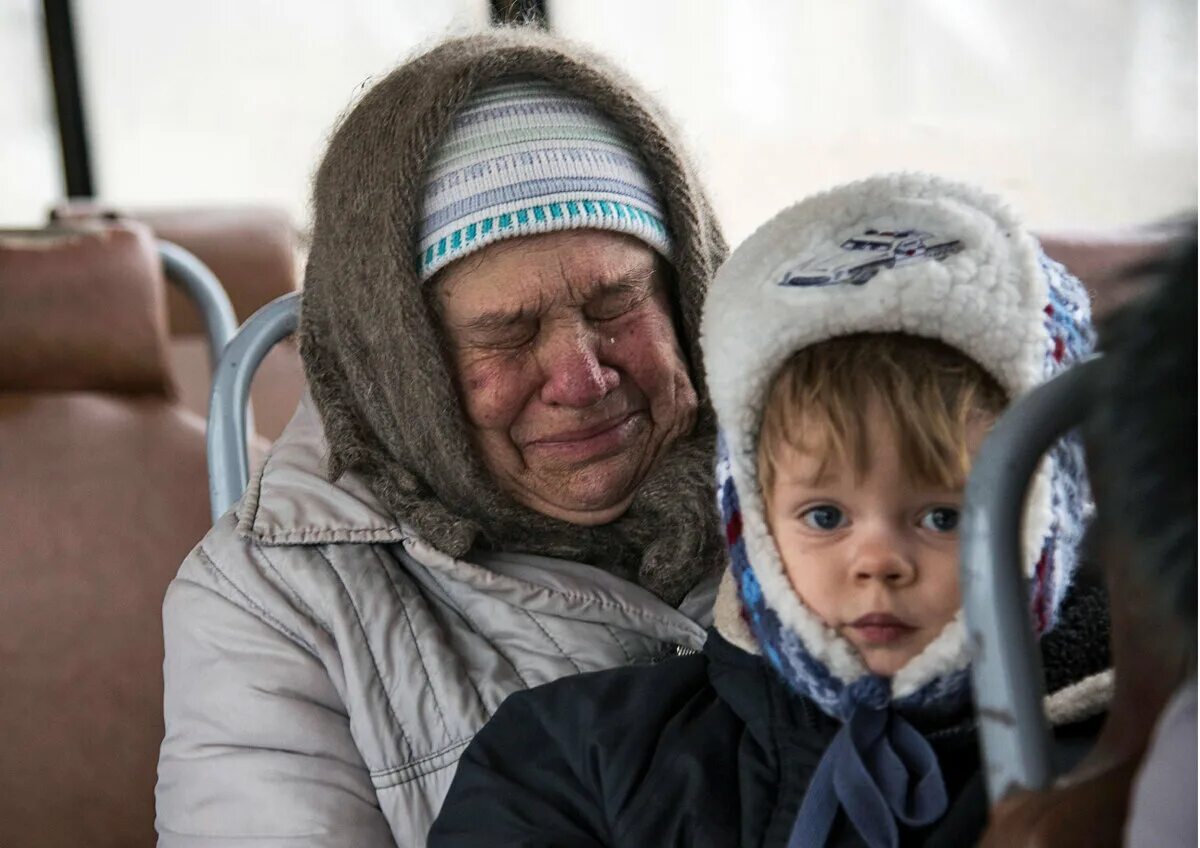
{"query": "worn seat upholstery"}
[(103, 491), (1106, 262), (254, 251)]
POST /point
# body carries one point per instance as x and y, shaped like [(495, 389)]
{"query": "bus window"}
[(780, 99), (211, 103), (30, 169)]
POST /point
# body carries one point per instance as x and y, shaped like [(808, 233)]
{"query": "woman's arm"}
[(258, 749)]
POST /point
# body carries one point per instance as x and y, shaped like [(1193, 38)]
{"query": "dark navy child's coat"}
[(705, 751)]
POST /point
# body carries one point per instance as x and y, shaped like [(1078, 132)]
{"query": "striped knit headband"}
[(523, 157)]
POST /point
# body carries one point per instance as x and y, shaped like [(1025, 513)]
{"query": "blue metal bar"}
[(202, 285), (228, 456), (1006, 667)]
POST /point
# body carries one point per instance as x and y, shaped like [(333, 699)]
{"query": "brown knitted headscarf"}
[(372, 345)]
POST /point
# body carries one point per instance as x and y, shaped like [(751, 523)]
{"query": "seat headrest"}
[(253, 250), (82, 309), (1103, 260)]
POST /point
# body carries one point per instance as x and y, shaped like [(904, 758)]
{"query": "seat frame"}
[(187, 271), (228, 414), (1006, 667)]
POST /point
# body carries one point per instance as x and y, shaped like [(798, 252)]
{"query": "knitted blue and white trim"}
[(902, 253), (524, 157)]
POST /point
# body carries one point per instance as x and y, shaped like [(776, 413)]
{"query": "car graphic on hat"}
[(876, 250)]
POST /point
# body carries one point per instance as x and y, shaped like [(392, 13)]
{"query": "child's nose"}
[(884, 559)]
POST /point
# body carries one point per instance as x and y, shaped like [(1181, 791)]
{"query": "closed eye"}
[(614, 300), (513, 343), (493, 333)]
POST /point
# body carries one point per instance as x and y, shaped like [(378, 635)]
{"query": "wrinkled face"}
[(570, 374), (875, 558)]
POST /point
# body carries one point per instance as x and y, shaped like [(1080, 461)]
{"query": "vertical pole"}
[(68, 98)]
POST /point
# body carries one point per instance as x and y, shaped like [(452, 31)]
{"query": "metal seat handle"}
[(185, 270), (228, 454), (1006, 666)]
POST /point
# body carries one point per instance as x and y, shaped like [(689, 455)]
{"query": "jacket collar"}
[(772, 713), (291, 501)]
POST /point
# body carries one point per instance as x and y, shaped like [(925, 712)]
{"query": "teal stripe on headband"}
[(461, 240), (523, 156)]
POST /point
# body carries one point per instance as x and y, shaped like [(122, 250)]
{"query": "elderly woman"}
[(501, 477)]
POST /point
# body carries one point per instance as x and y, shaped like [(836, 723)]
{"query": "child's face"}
[(876, 558)]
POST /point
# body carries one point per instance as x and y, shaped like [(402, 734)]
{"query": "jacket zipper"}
[(673, 651)]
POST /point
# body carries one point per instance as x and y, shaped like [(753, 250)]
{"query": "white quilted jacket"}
[(325, 668)]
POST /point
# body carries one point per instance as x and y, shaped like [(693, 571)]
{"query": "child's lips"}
[(880, 628)]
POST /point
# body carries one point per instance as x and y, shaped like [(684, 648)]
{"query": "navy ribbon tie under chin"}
[(880, 771)]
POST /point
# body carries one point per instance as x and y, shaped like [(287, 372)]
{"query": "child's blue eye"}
[(942, 519), (823, 517)]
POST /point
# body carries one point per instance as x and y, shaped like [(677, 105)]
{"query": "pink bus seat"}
[(255, 251), (1101, 260), (103, 491)]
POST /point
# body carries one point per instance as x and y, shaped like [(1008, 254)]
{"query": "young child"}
[(857, 348)]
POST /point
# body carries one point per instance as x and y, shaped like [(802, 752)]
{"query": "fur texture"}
[(1083, 699), (374, 357)]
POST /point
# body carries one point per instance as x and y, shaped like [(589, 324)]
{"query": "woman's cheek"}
[(493, 392), (645, 348)]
